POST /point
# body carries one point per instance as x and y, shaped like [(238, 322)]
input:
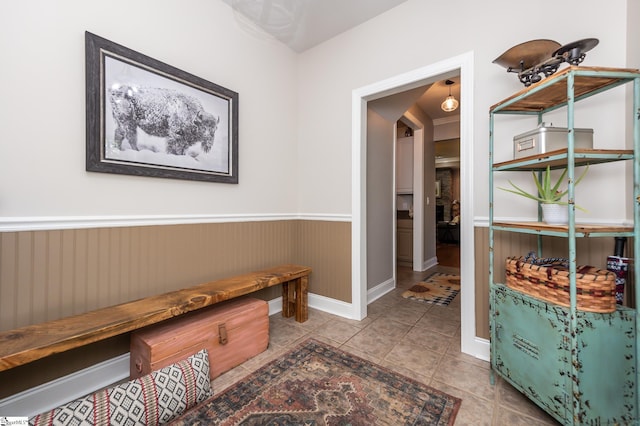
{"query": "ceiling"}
[(303, 24)]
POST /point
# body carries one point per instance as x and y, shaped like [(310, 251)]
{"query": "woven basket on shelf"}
[(595, 288)]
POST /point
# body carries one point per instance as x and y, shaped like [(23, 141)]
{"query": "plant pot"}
[(555, 214)]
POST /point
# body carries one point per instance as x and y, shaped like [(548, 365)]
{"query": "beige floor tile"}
[(337, 331), (380, 308), (413, 358), (409, 316), (509, 397), (360, 324), (505, 416), (434, 322), (362, 354), (454, 352), (282, 333), (388, 327), (473, 411), (419, 377), (372, 342), (447, 313), (316, 319), (465, 376), (429, 339)]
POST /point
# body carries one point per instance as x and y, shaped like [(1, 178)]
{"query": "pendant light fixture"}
[(450, 103)]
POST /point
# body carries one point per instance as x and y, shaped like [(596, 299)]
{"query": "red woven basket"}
[(595, 288)]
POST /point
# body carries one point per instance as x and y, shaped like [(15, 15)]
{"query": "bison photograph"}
[(161, 112), (152, 119)]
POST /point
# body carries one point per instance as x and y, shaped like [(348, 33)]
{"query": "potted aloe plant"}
[(549, 195)]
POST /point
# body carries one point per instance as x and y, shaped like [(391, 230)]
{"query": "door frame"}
[(463, 64), (418, 192)]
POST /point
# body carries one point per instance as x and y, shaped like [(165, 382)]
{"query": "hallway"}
[(448, 254)]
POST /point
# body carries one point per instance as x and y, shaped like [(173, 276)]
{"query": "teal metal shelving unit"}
[(580, 367)]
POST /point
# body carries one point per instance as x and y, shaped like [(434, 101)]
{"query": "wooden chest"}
[(232, 332)]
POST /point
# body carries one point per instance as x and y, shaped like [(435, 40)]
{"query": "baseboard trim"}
[(483, 349), (380, 290), (430, 263), (321, 303), (331, 306), (72, 386)]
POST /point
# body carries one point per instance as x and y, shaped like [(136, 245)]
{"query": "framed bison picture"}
[(147, 118)]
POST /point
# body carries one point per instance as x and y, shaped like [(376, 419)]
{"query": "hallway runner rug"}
[(438, 289), (318, 384)]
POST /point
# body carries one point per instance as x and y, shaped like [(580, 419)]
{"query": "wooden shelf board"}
[(558, 158), (580, 228), (555, 94)]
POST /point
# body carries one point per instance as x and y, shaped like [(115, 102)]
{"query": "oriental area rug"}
[(317, 384), (438, 289)]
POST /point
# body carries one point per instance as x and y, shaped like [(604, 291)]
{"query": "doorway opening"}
[(463, 65), (448, 195)]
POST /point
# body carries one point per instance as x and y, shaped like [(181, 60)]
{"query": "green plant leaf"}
[(546, 192), (555, 192)]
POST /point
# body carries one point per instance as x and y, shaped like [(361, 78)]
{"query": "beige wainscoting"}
[(590, 251), (45, 275)]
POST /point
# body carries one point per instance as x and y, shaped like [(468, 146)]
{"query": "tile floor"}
[(416, 339)]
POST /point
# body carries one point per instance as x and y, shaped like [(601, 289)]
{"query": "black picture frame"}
[(147, 118)]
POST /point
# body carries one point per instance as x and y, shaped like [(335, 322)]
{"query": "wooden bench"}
[(26, 344)]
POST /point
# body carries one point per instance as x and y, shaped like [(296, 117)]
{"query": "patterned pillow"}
[(153, 399)]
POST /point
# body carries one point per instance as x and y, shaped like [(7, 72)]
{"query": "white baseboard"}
[(380, 290), (75, 385), (429, 263), (482, 349), (321, 303), (331, 306), (275, 305)]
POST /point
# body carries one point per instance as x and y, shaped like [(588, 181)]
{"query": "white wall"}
[(410, 36), (633, 33), (446, 128), (380, 167), (42, 108), (42, 113)]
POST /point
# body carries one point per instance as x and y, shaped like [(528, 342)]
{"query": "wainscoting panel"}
[(45, 275), (327, 246)]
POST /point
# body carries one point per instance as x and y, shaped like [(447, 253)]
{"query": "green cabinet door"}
[(606, 368), (530, 351)]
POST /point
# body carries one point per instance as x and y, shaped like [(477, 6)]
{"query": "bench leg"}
[(295, 299), (302, 303), (288, 299)]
